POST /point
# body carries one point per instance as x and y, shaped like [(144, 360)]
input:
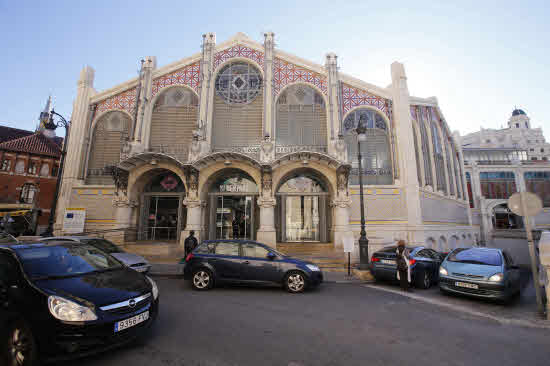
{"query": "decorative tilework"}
[(238, 51), (188, 75), (285, 73), (353, 97), (125, 101)]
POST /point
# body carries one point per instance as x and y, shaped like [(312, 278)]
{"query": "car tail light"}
[(189, 256), (374, 259), (412, 261)]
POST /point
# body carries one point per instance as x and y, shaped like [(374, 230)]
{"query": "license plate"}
[(467, 285), (386, 261), (130, 322)]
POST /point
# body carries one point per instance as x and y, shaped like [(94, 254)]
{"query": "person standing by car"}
[(190, 243), (403, 266)]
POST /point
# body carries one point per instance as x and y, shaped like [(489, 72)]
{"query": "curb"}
[(541, 324)]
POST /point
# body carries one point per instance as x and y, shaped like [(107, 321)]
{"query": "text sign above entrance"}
[(233, 188)]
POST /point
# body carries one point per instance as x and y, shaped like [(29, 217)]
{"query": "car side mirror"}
[(271, 256)]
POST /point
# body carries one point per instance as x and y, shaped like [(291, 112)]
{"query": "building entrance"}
[(302, 210), (233, 209), (504, 219), (162, 215)]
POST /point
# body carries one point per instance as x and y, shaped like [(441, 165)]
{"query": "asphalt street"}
[(337, 324)]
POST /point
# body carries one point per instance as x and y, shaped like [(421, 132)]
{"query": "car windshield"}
[(476, 256), (64, 260), (103, 245)]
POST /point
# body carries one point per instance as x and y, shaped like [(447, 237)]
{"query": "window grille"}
[(438, 155), (27, 193), (425, 149)]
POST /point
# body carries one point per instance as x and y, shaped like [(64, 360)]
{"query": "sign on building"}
[(73, 221)]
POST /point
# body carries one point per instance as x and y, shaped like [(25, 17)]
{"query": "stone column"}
[(269, 45), (266, 233), (77, 132), (333, 115), (340, 207), (405, 143), (206, 107), (145, 107), (124, 209), (194, 205)]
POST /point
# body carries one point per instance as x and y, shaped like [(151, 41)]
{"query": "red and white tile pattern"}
[(125, 101), (188, 75), (285, 73), (238, 51), (353, 97)]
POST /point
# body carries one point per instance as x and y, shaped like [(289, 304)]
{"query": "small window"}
[(206, 248), (55, 170), (6, 165), (545, 158), (32, 168), (531, 149), (45, 170), (517, 125), (27, 193), (20, 166), (488, 141), (227, 248), (541, 150), (254, 251), (534, 158), (526, 125)]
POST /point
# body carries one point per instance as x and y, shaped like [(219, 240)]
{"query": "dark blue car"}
[(424, 263), (247, 262)]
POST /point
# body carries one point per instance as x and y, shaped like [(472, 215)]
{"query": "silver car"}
[(131, 260)]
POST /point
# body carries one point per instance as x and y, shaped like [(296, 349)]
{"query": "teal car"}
[(480, 272)]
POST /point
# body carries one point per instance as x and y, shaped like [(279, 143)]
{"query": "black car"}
[(424, 264), (242, 261), (65, 300)]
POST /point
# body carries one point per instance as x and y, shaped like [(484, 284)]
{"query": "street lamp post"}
[(51, 125), (363, 241)]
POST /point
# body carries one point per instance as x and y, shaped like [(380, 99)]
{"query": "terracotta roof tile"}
[(36, 143), (10, 133)]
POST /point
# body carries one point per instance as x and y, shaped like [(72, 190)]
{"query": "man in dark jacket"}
[(190, 243)]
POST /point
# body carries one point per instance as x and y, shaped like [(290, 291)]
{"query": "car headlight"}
[(443, 271), (497, 277), (68, 310), (155, 288), (313, 268)]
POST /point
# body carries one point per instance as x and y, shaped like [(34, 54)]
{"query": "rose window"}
[(238, 83)]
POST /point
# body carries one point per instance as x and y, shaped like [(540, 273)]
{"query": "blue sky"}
[(479, 58)]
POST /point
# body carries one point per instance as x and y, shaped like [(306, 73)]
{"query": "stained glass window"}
[(425, 149), (238, 83), (438, 154), (539, 183), (497, 185), (376, 161)]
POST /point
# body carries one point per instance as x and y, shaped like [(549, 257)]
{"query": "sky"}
[(479, 58)]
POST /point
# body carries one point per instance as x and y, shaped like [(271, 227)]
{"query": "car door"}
[(257, 266), (9, 283), (227, 261), (437, 260), (425, 261)]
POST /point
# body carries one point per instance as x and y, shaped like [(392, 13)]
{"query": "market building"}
[(499, 163), (244, 140), (29, 164)]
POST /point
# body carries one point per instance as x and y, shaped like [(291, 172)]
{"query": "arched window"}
[(27, 193), (110, 132), (301, 118), (45, 170), (438, 154), (173, 120), (20, 166), (238, 107), (458, 173), (469, 186), (418, 156), (375, 151), (425, 148)]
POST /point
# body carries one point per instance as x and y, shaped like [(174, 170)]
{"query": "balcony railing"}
[(179, 151)]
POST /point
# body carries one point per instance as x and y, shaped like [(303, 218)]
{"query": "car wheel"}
[(21, 347), (295, 282), (424, 281), (202, 279)]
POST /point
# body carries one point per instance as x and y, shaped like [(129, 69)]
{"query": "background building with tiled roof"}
[(29, 164)]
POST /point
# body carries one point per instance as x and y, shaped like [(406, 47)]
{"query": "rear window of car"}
[(206, 248), (227, 248), (476, 256)]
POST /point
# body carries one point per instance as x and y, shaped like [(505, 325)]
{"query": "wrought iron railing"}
[(178, 151)]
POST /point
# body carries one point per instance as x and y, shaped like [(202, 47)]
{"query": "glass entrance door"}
[(162, 218), (234, 217), (302, 218)]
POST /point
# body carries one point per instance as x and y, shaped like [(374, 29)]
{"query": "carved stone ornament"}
[(124, 201), (267, 202), (342, 174), (266, 179), (192, 178), (267, 150), (192, 203), (342, 203), (120, 177)]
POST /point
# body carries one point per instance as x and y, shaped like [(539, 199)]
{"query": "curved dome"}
[(518, 112)]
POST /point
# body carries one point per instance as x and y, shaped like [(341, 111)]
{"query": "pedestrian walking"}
[(190, 243), (403, 266)]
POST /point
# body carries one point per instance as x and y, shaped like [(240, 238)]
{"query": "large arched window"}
[(448, 155), (458, 173), (110, 132), (375, 151), (301, 118), (418, 156), (173, 120), (425, 147), (438, 154), (238, 106)]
